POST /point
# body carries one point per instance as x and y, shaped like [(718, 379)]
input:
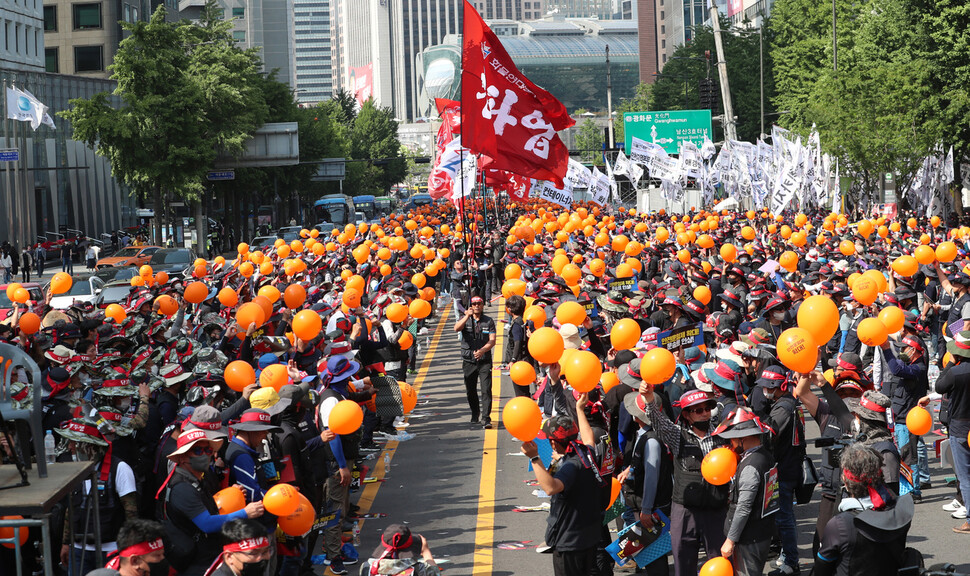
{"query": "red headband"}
[(117, 382), (246, 545), (206, 425), (769, 375), (870, 405), (143, 548), (724, 371), (961, 345), (847, 365), (175, 372), (111, 416), (406, 544), (261, 417)]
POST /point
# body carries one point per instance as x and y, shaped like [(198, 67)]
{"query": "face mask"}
[(724, 306), (159, 568), (702, 425), (254, 568), (200, 463), (778, 315), (125, 404)]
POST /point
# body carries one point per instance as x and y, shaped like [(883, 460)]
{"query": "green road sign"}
[(668, 128)]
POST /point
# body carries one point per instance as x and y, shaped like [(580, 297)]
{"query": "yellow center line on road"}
[(370, 490), (484, 529)]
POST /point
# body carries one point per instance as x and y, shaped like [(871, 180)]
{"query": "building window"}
[(87, 16), (663, 28), (239, 35), (238, 12), (50, 60), (50, 18), (88, 58), (663, 44), (662, 15)]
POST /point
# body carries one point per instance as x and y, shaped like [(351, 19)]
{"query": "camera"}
[(832, 447)]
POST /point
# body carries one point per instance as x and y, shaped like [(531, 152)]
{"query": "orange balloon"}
[(419, 309), (282, 499), (703, 293), (872, 332), (62, 282), (797, 350), (21, 296), (12, 288), (396, 312), (729, 252), (30, 322), (167, 305), (346, 417), (513, 287), (230, 500), (307, 324), (300, 522), (847, 247), (924, 254), (608, 381), (409, 397), (571, 312), (137, 281), (266, 305), (271, 293), (351, 297), (626, 333), (522, 373), (546, 345), (238, 374), (878, 278), (228, 297), (719, 466), (717, 566), (246, 269), (522, 418), (789, 261), (513, 271), (294, 296), (535, 314), (893, 318), (145, 271), (571, 273), (274, 376), (946, 252), (905, 266), (919, 421), (615, 487), (865, 290), (8, 533), (582, 370), (820, 317), (658, 366), (115, 312), (405, 341), (196, 292), (250, 313)]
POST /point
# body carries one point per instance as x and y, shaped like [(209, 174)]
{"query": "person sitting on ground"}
[(401, 552), (868, 537)]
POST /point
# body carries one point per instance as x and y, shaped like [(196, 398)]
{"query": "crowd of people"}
[(229, 377)]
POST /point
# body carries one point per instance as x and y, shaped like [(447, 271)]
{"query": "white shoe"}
[(960, 514), (953, 506)]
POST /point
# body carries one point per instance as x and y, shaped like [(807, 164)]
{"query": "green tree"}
[(589, 138), (373, 139), (640, 102), (348, 105), (185, 92)]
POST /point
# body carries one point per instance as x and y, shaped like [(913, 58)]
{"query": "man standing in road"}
[(25, 264), (40, 256), (579, 497), (477, 340)]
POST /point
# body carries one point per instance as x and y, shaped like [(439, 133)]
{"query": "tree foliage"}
[(373, 139), (589, 137)]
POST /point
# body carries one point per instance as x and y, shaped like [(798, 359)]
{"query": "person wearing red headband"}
[(868, 537), (141, 551), (246, 550)]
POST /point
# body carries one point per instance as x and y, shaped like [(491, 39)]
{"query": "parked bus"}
[(333, 211)]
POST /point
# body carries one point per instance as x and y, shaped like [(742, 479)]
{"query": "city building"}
[(748, 13), (23, 36), (376, 43), (264, 24), (600, 9), (567, 57), (651, 33), (58, 184), (313, 64), (82, 38), (510, 10)]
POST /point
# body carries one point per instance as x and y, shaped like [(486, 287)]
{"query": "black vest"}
[(111, 513), (761, 522), (690, 489)]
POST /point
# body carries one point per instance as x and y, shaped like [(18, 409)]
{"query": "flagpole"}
[(17, 182), (461, 201), (8, 204)]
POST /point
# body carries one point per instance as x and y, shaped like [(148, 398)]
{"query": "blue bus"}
[(367, 204), (333, 211), (417, 200)]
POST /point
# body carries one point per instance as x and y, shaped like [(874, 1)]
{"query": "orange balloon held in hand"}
[(919, 421), (274, 376), (30, 323), (300, 522), (797, 350), (238, 374), (419, 309), (625, 334), (820, 316), (703, 294), (571, 312), (167, 305), (546, 345), (228, 297), (345, 418), (307, 325), (872, 332), (657, 366), (282, 499), (717, 566), (892, 318), (230, 500), (250, 313), (62, 282), (522, 373), (719, 466), (582, 370), (522, 418), (116, 313), (405, 341), (196, 293), (294, 296)]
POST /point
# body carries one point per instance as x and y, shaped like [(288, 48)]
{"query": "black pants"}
[(478, 388), (25, 274), (827, 505), (688, 529), (575, 563)]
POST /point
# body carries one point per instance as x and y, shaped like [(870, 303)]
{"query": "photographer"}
[(869, 536)]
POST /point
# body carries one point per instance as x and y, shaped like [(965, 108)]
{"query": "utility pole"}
[(730, 128), (761, 72), (609, 97)]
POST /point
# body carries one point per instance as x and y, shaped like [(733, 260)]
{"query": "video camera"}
[(833, 447)]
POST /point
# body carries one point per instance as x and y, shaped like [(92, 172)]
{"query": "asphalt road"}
[(458, 485)]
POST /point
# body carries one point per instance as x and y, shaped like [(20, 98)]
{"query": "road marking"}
[(370, 491), (484, 529)]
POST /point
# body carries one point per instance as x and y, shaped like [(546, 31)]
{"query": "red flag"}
[(504, 115), (516, 186)]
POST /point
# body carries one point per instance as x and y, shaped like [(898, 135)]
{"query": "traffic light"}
[(708, 94)]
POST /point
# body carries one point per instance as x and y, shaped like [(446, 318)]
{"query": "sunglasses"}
[(699, 409), (199, 451)]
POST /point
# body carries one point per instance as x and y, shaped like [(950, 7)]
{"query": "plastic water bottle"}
[(387, 464), (50, 447), (356, 533)]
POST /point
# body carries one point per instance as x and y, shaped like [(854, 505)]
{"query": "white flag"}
[(48, 120), (24, 107)]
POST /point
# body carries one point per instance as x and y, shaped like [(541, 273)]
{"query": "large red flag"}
[(504, 115)]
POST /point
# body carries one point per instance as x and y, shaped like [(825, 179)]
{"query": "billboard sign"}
[(668, 128), (734, 6), (362, 83)]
